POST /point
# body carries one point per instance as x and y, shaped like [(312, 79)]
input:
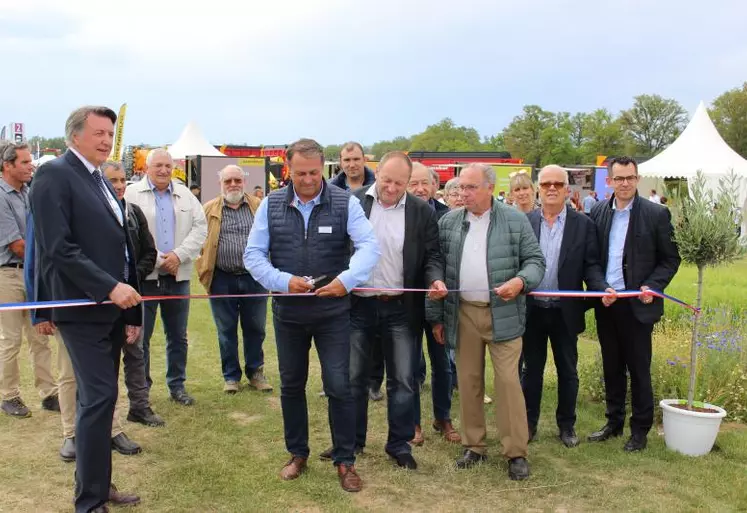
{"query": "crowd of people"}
[(364, 265)]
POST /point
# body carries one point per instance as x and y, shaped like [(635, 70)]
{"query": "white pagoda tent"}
[(192, 143), (699, 147)]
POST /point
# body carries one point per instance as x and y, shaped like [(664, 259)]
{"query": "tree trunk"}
[(694, 342)]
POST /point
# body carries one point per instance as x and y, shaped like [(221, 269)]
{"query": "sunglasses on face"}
[(546, 185)]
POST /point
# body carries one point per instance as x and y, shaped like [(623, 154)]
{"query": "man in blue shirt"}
[(300, 244), (589, 201), (638, 253)]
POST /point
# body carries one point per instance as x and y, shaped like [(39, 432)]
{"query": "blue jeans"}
[(174, 316), (440, 376), (228, 312), (332, 340), (387, 319)]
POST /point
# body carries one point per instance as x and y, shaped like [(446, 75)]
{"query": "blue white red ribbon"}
[(69, 303)]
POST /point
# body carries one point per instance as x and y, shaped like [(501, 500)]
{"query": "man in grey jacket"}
[(493, 259)]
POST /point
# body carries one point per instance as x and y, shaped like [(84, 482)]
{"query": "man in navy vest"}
[(300, 244)]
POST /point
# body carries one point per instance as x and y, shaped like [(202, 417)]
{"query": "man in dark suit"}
[(407, 234), (85, 252), (568, 241), (637, 252), (424, 184)]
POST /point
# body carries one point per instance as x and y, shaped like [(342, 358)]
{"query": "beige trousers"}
[(13, 325), (475, 334), (68, 391)]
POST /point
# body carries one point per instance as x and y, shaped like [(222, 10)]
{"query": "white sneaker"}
[(487, 400)]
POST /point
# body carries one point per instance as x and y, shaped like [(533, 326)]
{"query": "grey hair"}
[(77, 120), (230, 167), (451, 185), (420, 165), (117, 166), (488, 172), (435, 178), (9, 152), (155, 153), (554, 167)]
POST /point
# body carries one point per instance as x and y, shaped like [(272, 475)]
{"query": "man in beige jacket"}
[(221, 271), (177, 222)]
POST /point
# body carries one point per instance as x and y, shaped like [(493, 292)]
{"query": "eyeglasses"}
[(547, 185), (620, 179), (468, 188)]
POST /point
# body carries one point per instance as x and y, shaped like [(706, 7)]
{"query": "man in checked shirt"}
[(221, 270)]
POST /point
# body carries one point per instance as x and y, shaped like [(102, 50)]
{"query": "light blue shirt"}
[(360, 231), (589, 202), (618, 233), (165, 218), (551, 238)]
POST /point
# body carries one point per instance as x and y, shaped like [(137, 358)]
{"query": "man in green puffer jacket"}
[(493, 258)]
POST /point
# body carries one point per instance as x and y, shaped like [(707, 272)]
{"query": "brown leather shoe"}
[(122, 499), (293, 469), (418, 438), (450, 434), (349, 479)]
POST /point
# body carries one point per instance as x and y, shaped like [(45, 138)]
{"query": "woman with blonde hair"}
[(521, 190)]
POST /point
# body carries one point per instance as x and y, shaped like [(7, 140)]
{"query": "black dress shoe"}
[(469, 459), (326, 455), (125, 446), (518, 469), (182, 397), (145, 417), (569, 438), (67, 451), (532, 433), (404, 460), (51, 403), (636, 442), (605, 433)]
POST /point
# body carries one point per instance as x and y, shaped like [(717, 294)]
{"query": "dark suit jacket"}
[(441, 209), (145, 248), (578, 262), (650, 256), (422, 259), (80, 242)]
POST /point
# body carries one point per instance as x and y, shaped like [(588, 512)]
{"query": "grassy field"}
[(223, 455)]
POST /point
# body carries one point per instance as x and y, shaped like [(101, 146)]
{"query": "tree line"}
[(541, 137)]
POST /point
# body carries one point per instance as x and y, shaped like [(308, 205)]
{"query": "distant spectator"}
[(654, 198), (663, 200), (195, 189), (259, 192), (589, 202)]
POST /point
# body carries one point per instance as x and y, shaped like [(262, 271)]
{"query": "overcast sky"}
[(267, 72)]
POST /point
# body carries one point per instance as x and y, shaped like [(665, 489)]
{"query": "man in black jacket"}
[(637, 252), (407, 232), (569, 244), (85, 252), (145, 258)]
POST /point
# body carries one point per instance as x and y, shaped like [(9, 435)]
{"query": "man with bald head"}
[(407, 234), (424, 184), (568, 241), (177, 224), (220, 268)]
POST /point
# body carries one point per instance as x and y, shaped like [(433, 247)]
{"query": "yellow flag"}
[(116, 154)]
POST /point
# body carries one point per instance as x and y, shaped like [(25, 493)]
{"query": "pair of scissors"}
[(313, 281)]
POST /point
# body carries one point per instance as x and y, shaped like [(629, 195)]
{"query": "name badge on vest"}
[(325, 229)]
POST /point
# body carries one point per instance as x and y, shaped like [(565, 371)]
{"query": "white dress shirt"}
[(473, 272), (389, 226)]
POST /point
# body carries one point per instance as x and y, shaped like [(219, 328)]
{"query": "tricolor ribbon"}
[(68, 303)]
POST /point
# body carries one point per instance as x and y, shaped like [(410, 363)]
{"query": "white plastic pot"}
[(690, 432)]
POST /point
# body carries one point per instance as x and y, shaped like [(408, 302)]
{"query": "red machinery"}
[(440, 160)]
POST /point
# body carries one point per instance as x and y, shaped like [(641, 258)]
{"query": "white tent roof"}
[(699, 147), (191, 142)]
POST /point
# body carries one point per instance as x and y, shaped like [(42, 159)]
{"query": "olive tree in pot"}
[(707, 236)]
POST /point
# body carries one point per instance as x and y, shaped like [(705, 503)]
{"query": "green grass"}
[(223, 455)]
